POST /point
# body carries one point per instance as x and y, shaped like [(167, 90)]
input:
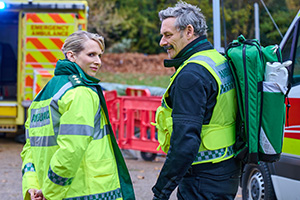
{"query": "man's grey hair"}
[(186, 14)]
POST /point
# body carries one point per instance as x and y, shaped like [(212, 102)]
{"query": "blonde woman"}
[(70, 150)]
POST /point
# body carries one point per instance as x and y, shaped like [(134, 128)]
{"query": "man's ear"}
[(189, 31), (71, 56)]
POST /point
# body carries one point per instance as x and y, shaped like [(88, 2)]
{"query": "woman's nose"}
[(98, 60)]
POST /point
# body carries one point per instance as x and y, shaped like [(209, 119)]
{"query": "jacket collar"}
[(199, 44), (66, 67)]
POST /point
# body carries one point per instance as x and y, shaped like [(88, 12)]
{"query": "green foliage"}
[(283, 18), (133, 25)]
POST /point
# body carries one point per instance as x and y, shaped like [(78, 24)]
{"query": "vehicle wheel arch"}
[(256, 181)]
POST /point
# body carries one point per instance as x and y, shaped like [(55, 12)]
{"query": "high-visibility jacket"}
[(217, 137), (70, 150)]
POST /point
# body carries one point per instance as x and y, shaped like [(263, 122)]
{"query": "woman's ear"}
[(71, 56)]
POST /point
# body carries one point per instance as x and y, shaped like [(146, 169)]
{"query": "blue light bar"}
[(2, 5), (42, 5)]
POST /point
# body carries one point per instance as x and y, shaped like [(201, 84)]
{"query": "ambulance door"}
[(281, 180), (9, 22), (42, 40), (286, 172)]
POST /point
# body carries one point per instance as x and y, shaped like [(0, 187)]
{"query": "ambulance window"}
[(296, 75), (8, 55), (286, 50)]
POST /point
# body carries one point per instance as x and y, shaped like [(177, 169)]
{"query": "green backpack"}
[(261, 116)]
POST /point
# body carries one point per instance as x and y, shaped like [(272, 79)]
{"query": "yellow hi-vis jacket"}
[(70, 151), (217, 137)]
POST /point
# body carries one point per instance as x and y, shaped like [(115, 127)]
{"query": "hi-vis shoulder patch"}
[(75, 80)]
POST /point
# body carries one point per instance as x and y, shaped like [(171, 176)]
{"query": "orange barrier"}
[(133, 133)]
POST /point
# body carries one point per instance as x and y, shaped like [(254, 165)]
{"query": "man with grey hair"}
[(201, 103)]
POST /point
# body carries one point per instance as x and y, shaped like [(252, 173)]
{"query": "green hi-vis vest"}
[(217, 137), (69, 152)]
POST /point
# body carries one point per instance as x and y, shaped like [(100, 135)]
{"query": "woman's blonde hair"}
[(76, 40)]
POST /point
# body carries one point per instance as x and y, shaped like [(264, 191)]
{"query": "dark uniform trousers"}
[(209, 181)]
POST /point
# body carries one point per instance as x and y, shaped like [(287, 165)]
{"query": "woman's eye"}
[(91, 54)]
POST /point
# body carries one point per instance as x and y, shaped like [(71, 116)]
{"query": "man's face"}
[(172, 39)]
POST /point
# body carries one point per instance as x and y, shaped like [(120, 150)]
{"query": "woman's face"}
[(89, 58)]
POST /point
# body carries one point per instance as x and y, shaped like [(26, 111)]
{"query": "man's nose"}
[(162, 42)]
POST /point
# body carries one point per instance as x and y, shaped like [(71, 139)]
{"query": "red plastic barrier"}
[(140, 136), (113, 107), (133, 131), (130, 91)]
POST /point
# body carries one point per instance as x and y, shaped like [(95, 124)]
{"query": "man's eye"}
[(91, 54), (100, 55)]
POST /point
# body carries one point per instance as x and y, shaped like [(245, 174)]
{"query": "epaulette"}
[(75, 80)]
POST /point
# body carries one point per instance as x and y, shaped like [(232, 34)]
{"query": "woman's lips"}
[(94, 68)]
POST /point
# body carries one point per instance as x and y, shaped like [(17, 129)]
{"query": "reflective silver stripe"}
[(27, 133), (214, 154), (111, 195), (265, 143), (43, 141), (60, 92), (223, 71), (76, 129), (97, 122), (98, 132), (102, 132), (28, 167), (67, 129), (54, 107), (58, 179)]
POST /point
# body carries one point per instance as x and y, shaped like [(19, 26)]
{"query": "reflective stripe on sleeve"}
[(76, 129), (43, 141), (28, 167), (84, 130), (54, 107), (111, 195), (58, 179), (101, 133), (62, 90)]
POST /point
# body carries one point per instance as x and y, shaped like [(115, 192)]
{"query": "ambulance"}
[(281, 180), (32, 34)]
